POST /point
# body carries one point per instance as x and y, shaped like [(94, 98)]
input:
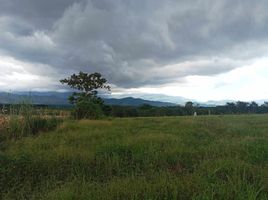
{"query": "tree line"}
[(188, 109), (152, 111)]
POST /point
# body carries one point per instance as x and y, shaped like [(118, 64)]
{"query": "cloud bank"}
[(133, 43)]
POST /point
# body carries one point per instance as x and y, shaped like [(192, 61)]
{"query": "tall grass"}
[(213, 157), (24, 120)]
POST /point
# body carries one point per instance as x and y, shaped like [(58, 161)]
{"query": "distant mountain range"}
[(130, 101), (46, 98), (153, 97), (61, 98), (57, 98)]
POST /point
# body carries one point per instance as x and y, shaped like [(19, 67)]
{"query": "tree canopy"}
[(87, 103)]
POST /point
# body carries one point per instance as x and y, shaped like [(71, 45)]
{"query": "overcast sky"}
[(200, 49)]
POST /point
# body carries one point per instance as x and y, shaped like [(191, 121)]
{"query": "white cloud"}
[(245, 83), (17, 75)]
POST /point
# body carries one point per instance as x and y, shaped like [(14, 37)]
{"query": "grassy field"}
[(213, 157)]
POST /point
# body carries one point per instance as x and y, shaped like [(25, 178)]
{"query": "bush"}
[(86, 109)]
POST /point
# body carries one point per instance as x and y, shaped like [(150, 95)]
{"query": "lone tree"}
[(189, 106), (87, 103)]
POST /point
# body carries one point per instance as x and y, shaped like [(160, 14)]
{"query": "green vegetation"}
[(210, 157), (22, 120), (189, 109), (87, 104)]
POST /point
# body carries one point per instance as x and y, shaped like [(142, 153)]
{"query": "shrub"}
[(87, 109)]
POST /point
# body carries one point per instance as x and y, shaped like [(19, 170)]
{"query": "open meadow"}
[(210, 157)]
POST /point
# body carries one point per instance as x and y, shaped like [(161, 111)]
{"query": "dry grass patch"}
[(3, 121)]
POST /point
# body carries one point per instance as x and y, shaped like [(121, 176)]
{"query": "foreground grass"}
[(213, 157)]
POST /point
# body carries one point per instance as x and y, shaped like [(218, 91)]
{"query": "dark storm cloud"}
[(135, 42), (39, 13)]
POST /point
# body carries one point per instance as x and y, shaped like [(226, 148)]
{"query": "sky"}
[(198, 49)]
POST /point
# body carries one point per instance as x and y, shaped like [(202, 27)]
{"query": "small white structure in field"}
[(195, 114)]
